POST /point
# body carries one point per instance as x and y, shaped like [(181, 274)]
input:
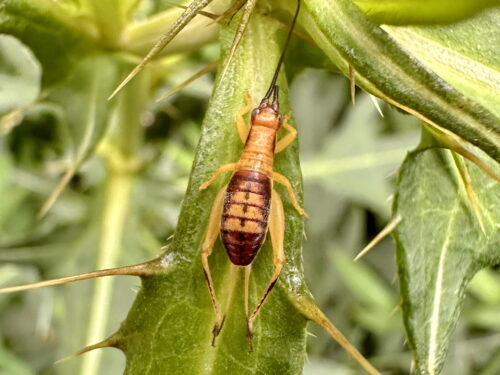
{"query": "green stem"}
[(120, 151), (110, 17), (113, 221)]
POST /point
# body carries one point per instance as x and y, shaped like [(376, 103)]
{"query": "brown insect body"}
[(249, 207), (247, 201)]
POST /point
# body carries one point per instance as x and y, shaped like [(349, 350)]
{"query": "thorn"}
[(375, 102), (250, 4), (109, 342), (379, 237), (450, 139), (352, 78), (412, 366), (232, 10), (396, 308), (210, 15), (455, 143), (141, 269), (311, 334), (310, 310), (66, 178), (13, 118), (195, 76), (471, 194), (190, 12)]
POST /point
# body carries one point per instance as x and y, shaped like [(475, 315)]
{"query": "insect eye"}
[(255, 112)]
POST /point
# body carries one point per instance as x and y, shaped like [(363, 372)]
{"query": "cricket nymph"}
[(247, 200), (248, 207)]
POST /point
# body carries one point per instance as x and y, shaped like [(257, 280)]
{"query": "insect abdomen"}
[(245, 215)]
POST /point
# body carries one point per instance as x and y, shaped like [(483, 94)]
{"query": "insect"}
[(248, 207)]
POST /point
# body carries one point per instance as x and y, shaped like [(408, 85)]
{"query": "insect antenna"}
[(273, 88)]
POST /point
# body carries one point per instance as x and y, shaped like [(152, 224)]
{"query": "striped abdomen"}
[(245, 215)]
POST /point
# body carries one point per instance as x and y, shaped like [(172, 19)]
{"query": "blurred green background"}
[(350, 155)]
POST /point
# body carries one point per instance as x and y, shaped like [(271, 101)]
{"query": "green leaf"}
[(169, 328), (464, 54), (19, 73), (440, 247), (53, 36), (386, 70), (84, 99), (405, 12)]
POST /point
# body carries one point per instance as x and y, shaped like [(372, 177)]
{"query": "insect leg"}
[(287, 139), (248, 270), (206, 249), (277, 232), (284, 181), (217, 173), (240, 121)]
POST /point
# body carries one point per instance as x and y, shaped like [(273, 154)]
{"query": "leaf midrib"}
[(436, 305)]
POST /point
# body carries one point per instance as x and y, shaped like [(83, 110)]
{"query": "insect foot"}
[(250, 336), (216, 330)]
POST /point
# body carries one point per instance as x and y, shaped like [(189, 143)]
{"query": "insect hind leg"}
[(277, 232), (206, 249)]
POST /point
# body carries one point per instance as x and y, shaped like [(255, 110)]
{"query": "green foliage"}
[(20, 74), (422, 12), (57, 41), (386, 70), (441, 246), (115, 172)]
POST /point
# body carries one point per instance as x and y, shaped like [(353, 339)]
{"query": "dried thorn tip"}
[(469, 189), (379, 237), (56, 192), (142, 269), (375, 103), (194, 77), (307, 307), (210, 15), (108, 343)]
